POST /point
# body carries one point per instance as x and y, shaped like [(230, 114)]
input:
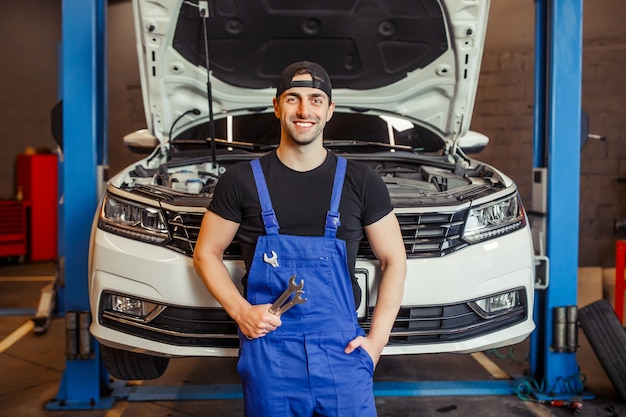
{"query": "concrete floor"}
[(32, 366)]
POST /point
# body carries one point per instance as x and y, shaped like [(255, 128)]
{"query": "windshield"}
[(264, 129)]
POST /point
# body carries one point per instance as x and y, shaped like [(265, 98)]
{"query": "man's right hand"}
[(256, 321)]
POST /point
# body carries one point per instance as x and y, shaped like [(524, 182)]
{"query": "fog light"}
[(129, 306), (497, 303)]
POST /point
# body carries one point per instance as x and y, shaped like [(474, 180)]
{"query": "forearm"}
[(215, 235), (386, 240), (217, 280), (388, 302)]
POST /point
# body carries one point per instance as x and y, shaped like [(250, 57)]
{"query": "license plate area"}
[(362, 277)]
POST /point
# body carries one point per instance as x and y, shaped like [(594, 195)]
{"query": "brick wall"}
[(504, 112), (603, 163)]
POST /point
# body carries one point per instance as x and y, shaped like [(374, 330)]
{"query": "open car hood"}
[(416, 58)]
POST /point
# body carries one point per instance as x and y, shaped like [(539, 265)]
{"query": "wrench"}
[(278, 308), (297, 299), (272, 260)]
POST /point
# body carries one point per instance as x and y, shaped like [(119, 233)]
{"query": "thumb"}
[(350, 347)]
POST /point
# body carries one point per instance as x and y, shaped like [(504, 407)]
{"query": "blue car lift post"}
[(82, 85), (85, 382), (557, 135)]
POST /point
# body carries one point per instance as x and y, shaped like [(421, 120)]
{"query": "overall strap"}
[(332, 218), (267, 211)]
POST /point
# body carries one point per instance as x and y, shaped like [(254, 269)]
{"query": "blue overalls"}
[(301, 369)]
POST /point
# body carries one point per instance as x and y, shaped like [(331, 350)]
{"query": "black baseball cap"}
[(320, 80)]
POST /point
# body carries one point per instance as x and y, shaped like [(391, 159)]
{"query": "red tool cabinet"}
[(12, 229), (620, 284), (37, 179)]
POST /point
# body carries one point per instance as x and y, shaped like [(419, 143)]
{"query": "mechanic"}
[(299, 214)]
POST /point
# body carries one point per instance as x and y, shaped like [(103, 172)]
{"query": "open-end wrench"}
[(297, 299), (277, 308)]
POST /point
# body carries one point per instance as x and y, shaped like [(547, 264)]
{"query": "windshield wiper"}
[(248, 146), (350, 143)]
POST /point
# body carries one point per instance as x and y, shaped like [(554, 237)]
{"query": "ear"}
[(331, 110), (276, 107)]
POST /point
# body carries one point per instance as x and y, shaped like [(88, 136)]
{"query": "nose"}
[(303, 109)]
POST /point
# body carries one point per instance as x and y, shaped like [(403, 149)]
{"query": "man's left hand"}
[(370, 346)]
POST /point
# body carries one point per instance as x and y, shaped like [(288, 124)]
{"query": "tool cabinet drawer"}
[(13, 233)]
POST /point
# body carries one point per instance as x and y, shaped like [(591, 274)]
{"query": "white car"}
[(404, 78)]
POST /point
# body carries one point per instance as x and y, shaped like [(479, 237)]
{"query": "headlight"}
[(494, 219), (133, 220)]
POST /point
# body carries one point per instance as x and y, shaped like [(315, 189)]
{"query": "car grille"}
[(425, 235), (212, 327), (184, 228)]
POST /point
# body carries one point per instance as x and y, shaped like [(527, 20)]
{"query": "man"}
[(301, 212)]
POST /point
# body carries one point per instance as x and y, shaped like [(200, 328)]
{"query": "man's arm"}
[(216, 233), (386, 240)]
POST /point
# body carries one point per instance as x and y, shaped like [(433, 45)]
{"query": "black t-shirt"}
[(301, 201)]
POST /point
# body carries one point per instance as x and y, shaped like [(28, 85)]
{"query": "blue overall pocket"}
[(319, 261), (318, 286)]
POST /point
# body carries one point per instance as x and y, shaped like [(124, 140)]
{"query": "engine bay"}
[(406, 175)]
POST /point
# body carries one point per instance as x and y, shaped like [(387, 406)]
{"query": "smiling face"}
[(303, 113)]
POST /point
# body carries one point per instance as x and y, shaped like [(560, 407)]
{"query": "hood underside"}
[(416, 58)]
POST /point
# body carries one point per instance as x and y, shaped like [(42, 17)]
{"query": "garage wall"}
[(126, 112), (28, 90), (29, 33), (504, 112), (603, 165)]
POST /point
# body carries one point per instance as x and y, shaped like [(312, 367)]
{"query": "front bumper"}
[(435, 317)]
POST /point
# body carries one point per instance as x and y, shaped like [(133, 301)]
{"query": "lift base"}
[(381, 389)]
